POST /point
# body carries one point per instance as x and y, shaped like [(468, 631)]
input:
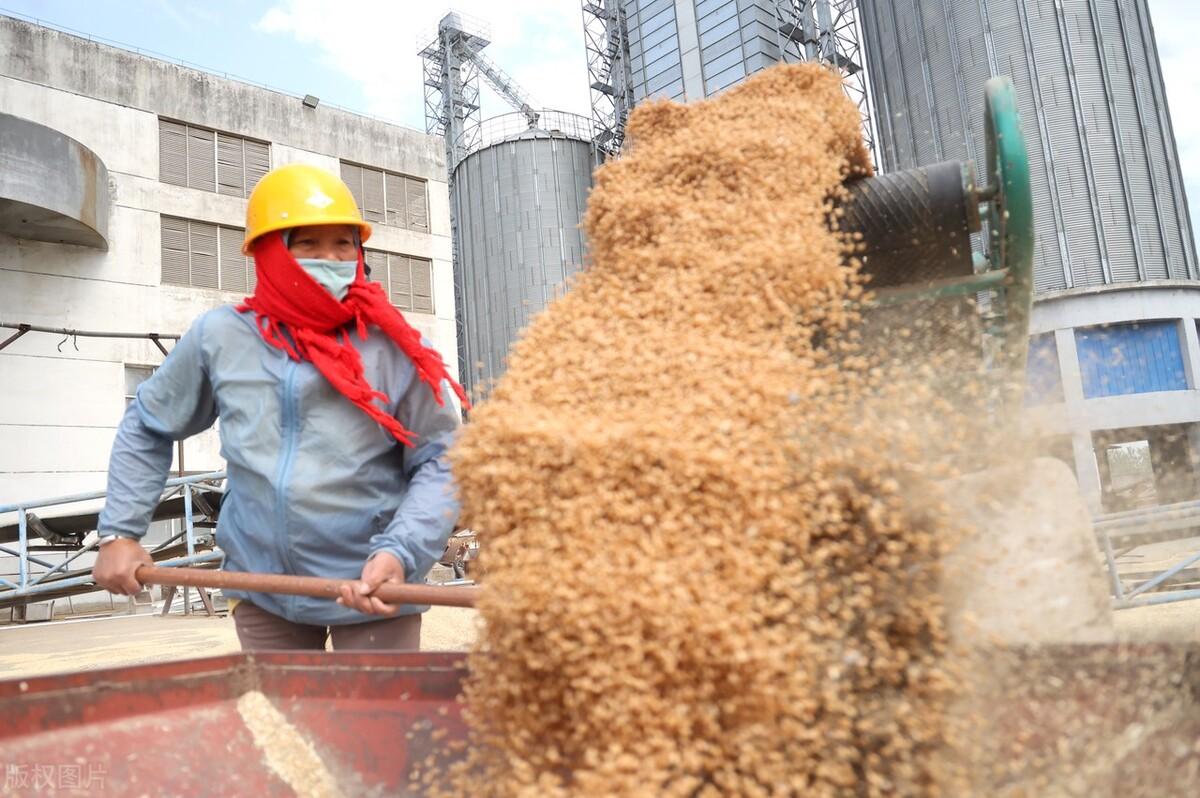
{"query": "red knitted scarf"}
[(287, 298)]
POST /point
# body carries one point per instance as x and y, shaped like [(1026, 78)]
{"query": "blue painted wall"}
[(1043, 379), (1122, 359)]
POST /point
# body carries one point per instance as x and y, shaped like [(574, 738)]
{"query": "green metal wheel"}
[(1009, 217)]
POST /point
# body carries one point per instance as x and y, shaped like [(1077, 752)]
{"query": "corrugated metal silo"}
[(691, 49), (1110, 203), (517, 201)]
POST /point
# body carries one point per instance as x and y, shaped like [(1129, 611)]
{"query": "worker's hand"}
[(116, 565), (382, 567)]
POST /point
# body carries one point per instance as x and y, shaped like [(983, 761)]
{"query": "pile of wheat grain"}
[(707, 570)]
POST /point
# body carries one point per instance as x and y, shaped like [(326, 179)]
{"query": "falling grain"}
[(706, 573), (286, 751)]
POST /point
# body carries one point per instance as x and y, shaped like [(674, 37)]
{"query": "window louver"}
[(209, 160), (205, 255), (372, 196), (172, 153), (352, 177), (175, 251), (231, 166), (417, 200), (202, 160), (388, 198), (234, 265), (258, 162), (401, 282), (422, 284)]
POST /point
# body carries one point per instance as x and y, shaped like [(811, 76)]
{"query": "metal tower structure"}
[(635, 50), (607, 44), (451, 83), (452, 62), (830, 31)]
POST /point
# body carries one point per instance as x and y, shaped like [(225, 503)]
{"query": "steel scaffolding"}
[(606, 40), (828, 31), (452, 62)]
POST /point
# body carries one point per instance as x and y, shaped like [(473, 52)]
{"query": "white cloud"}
[(1177, 30), (374, 43)]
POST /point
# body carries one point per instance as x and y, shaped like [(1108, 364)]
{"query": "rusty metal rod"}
[(22, 328), (72, 333), (390, 593)]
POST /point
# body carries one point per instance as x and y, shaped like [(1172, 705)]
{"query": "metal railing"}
[(506, 126), (467, 23), (29, 586), (1153, 524)]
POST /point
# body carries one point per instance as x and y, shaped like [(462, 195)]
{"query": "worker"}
[(336, 418)]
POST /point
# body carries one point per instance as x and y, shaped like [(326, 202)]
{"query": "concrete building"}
[(123, 184), (1116, 368)]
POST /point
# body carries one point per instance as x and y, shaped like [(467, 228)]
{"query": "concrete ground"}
[(1164, 623), (1157, 556), (37, 649)]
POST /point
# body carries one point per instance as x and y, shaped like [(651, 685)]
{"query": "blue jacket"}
[(314, 486)]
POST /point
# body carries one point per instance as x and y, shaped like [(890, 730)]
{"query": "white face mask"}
[(334, 275)]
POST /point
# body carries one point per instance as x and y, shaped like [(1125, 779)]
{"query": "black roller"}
[(916, 225)]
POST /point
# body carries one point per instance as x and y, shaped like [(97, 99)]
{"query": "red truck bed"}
[(176, 728), (1087, 720)]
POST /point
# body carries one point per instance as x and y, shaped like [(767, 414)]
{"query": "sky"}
[(362, 54)]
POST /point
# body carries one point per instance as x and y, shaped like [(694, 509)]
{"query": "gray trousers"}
[(259, 630)]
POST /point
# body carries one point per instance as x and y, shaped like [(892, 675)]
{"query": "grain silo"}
[(687, 50), (518, 187), (1115, 357), (1105, 171), (517, 199)]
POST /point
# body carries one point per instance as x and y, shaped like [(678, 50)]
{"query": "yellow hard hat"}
[(297, 195)]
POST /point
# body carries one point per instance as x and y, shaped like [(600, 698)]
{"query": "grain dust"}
[(705, 573)]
